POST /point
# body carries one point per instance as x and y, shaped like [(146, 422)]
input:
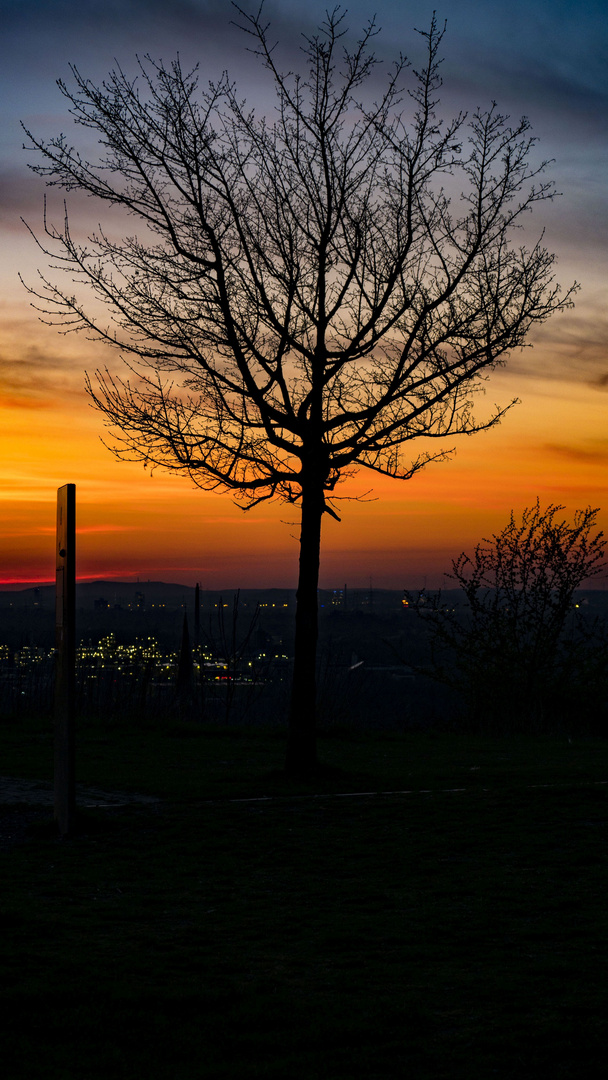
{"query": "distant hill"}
[(129, 593), (148, 594)]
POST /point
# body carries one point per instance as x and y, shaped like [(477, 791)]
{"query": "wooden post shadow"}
[(65, 658)]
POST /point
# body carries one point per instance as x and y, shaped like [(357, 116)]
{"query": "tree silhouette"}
[(516, 646), (304, 297)]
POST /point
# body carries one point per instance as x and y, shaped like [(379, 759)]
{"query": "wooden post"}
[(65, 658)]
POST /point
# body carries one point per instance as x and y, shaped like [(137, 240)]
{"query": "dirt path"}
[(23, 802), (15, 792)]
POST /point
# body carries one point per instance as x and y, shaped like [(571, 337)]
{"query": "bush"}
[(518, 650)]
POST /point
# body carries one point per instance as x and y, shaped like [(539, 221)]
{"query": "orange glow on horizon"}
[(133, 525)]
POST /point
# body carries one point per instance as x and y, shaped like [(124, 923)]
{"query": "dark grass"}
[(437, 934), (183, 761)]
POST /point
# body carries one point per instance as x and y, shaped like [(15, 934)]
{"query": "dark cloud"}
[(594, 454), (571, 347), (536, 57), (81, 32), (541, 57), (24, 15), (22, 202), (11, 400), (21, 195), (34, 375), (579, 492), (544, 59)]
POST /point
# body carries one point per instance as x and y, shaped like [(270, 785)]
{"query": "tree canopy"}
[(304, 273)]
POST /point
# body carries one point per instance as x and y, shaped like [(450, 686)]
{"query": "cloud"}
[(34, 377), (594, 454), (92, 34), (564, 492), (82, 530), (527, 55), (111, 14), (13, 401), (571, 347), (21, 194), (39, 366)]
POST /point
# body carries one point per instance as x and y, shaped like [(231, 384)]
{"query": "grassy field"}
[(312, 935)]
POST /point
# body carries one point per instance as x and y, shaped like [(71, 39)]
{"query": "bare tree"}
[(304, 298), (516, 646)]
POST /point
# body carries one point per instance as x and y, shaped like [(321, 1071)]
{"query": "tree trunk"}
[(301, 759)]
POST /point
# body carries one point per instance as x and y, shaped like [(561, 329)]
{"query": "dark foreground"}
[(432, 934)]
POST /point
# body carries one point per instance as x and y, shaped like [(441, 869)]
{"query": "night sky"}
[(543, 58)]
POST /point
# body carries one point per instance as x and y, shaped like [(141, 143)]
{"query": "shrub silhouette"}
[(519, 651)]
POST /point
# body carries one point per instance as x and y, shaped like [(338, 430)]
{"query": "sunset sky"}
[(546, 59)]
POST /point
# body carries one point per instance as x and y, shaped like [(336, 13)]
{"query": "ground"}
[(235, 926)]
